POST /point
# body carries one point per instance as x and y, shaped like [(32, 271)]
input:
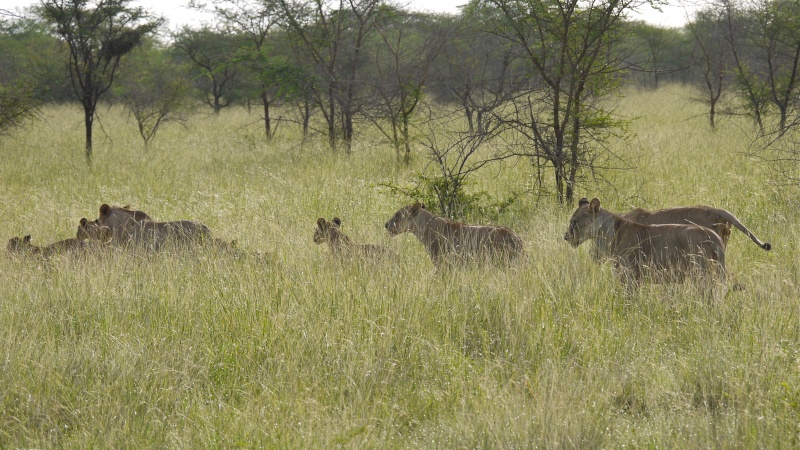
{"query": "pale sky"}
[(178, 14)]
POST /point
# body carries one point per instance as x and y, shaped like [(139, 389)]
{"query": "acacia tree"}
[(766, 46), (216, 60), (662, 47), (252, 19), (477, 70), (332, 35), (98, 33), (403, 56), (570, 49), (155, 90), (711, 56), (765, 41)]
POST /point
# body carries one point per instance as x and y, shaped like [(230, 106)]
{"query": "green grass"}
[(293, 349)]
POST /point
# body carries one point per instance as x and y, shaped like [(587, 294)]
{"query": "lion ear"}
[(583, 201), (27, 239), (104, 209), (321, 222), (415, 207), (337, 221), (594, 205), (84, 221)]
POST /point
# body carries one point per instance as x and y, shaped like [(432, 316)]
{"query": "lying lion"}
[(136, 228), (659, 253), (719, 220), (92, 231), (444, 238), (82, 242), (120, 220), (23, 247), (341, 244)]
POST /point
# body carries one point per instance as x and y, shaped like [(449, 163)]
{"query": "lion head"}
[(330, 232), (401, 220), (92, 230), (582, 225), (19, 245)]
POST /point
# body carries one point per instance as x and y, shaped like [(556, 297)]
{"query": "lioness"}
[(660, 253), (137, 228), (341, 244), (120, 220), (443, 237), (714, 218)]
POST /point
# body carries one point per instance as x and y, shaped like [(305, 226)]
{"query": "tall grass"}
[(289, 347)]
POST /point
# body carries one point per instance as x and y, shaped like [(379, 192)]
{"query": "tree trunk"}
[(306, 119), (267, 125), (348, 131), (88, 116), (407, 142), (575, 142), (395, 137), (470, 122), (559, 169), (331, 118), (712, 114)]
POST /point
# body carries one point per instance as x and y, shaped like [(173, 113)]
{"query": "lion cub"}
[(341, 244), (89, 235)]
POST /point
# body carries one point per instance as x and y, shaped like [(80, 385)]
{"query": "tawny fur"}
[(446, 239), (137, 228), (717, 219), (85, 240), (659, 253), (340, 244)]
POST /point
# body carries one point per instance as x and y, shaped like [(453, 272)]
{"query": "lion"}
[(130, 227), (120, 220), (341, 244), (92, 231), (86, 237), (444, 238), (657, 253), (716, 219), (21, 246)]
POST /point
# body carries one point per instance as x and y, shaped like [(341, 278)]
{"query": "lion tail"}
[(730, 218)]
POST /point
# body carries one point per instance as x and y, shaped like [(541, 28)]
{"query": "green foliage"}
[(155, 89), (17, 106), (574, 70), (215, 59), (31, 55), (658, 54), (453, 199), (98, 35)]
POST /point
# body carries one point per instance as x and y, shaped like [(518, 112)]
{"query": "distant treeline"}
[(540, 69), (450, 58)]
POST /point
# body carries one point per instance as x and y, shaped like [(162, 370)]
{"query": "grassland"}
[(293, 349)]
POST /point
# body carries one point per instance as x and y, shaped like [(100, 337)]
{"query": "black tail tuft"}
[(767, 246)]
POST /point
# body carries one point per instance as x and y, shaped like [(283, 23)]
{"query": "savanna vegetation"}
[(286, 346), (279, 112), (531, 78)]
